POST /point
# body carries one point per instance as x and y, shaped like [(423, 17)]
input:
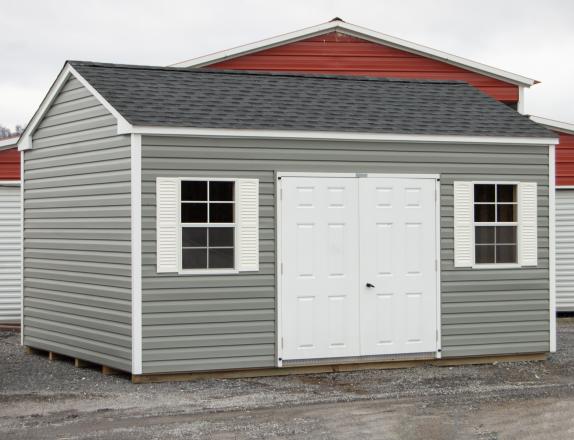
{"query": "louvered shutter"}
[(247, 197), (463, 223), (167, 200), (528, 223)]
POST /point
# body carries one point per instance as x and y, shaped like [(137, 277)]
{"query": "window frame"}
[(517, 223), (181, 225)]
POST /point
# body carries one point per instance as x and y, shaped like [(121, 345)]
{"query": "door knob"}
[(370, 286)]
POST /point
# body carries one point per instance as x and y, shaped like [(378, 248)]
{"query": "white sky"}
[(530, 37)]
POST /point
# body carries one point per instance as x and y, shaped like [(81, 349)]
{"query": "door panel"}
[(320, 267), (340, 234), (397, 240)]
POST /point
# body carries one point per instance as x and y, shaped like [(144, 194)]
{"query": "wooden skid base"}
[(78, 363), (314, 369)]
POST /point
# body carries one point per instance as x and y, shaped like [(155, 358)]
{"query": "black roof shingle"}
[(203, 98)]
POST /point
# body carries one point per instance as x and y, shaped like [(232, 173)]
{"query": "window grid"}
[(496, 223), (208, 224)]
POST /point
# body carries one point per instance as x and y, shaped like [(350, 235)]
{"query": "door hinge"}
[(436, 265), (281, 194), (281, 343), (281, 268)]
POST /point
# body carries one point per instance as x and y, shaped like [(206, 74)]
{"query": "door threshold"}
[(360, 359)]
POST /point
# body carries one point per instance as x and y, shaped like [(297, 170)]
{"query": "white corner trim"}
[(22, 248), (359, 32), (336, 136), (136, 253), (520, 107), (552, 242), (554, 125), (25, 140)]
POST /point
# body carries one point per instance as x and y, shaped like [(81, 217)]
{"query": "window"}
[(207, 221), (495, 223)]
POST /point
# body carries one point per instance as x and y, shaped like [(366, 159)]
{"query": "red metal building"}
[(341, 48)]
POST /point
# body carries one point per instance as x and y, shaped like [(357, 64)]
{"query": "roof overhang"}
[(562, 127), (366, 34)]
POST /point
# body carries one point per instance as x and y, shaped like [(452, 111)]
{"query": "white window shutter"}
[(463, 224), (247, 192), (528, 223), (167, 200)]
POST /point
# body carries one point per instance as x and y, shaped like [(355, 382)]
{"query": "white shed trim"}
[(552, 242), (366, 34), (336, 136), (136, 252)]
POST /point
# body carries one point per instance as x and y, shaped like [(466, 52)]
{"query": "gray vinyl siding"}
[(77, 236), (205, 322)]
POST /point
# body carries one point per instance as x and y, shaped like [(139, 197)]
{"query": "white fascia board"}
[(552, 124), (336, 136), (359, 32), (25, 140)]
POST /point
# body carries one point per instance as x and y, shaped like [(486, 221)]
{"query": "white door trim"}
[(279, 245)]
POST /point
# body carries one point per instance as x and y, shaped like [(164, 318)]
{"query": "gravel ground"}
[(42, 400)]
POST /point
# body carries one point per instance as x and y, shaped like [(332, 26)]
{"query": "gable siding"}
[(206, 322), (565, 160), (342, 54), (77, 257)]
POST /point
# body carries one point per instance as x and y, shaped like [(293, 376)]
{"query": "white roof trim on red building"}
[(552, 124), (366, 34), (10, 142)]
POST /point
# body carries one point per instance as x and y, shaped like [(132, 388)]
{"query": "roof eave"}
[(560, 126), (359, 32), (337, 136)]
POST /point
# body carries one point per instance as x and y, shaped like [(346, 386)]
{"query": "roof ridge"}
[(265, 73)]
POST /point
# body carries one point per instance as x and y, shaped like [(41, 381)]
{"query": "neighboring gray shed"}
[(180, 221)]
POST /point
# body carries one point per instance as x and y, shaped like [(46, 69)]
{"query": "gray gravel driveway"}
[(527, 400)]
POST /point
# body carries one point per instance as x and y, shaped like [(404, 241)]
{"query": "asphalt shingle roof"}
[(200, 98)]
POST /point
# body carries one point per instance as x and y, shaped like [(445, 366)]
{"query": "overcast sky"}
[(530, 37)]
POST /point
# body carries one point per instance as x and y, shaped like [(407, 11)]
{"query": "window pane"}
[(506, 235), (484, 234), (221, 258), (194, 259), (506, 193), (194, 237), (221, 191), (194, 212), (506, 213), (221, 212), (506, 254), (484, 213), (484, 253), (193, 190), (484, 193), (221, 237)]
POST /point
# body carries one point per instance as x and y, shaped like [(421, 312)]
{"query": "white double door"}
[(358, 267)]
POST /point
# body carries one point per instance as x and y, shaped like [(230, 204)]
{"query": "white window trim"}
[(476, 265), (181, 270)]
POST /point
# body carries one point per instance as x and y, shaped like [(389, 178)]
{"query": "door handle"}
[(370, 286)]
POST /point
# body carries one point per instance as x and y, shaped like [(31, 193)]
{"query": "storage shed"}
[(564, 212), (182, 221), (10, 238)]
